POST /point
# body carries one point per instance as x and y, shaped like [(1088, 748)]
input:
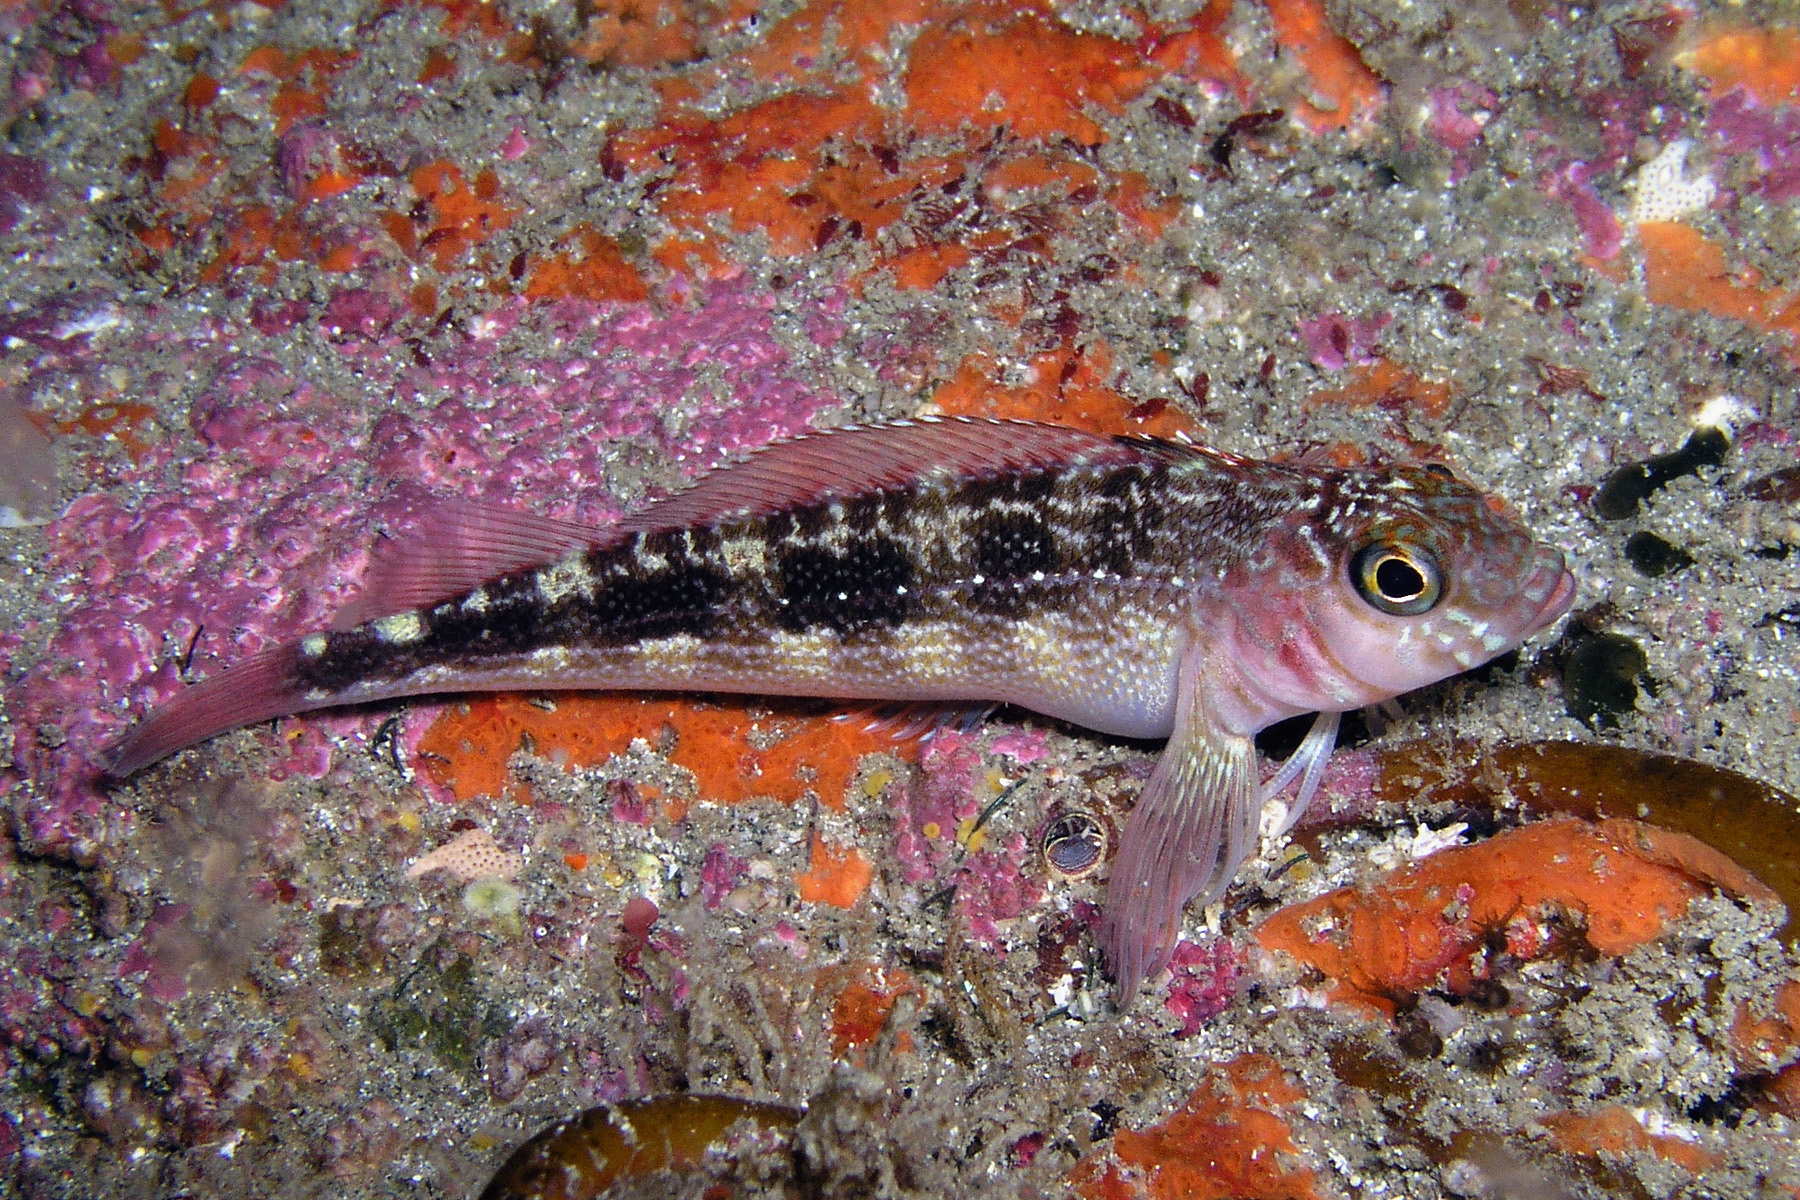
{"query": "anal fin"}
[(1190, 829)]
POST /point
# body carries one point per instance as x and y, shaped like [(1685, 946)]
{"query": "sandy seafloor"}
[(250, 313)]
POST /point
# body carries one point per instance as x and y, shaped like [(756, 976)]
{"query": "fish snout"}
[(1555, 584)]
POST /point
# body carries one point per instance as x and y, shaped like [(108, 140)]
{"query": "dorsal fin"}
[(861, 458), (453, 547)]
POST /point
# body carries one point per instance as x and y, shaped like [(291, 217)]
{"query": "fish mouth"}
[(1561, 596)]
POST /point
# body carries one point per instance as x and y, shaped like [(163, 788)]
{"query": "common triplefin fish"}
[(1137, 587)]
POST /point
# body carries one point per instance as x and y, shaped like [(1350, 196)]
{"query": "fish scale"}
[(1137, 587)]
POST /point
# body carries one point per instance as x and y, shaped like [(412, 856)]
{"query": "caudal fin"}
[(257, 689)]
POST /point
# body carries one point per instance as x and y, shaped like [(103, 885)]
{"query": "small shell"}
[(1074, 844)]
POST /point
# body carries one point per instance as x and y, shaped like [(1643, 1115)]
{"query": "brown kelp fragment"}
[(1631, 484), (1601, 678), (1753, 823), (1782, 485), (580, 1158)]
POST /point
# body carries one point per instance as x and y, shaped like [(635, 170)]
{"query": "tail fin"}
[(257, 689)]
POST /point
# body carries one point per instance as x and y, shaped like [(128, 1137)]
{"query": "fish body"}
[(1136, 587)]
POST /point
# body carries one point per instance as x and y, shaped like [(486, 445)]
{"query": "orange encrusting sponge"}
[(1622, 881), (467, 749)]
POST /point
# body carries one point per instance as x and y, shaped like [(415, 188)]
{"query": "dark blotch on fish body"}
[(869, 584), (682, 598)]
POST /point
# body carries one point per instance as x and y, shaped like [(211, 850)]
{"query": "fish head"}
[(1398, 579)]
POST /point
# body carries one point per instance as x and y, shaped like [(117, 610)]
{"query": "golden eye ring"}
[(1397, 579)]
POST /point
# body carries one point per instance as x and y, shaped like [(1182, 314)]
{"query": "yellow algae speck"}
[(969, 836)]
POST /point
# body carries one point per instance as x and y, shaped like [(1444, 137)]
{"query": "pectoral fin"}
[(1192, 826)]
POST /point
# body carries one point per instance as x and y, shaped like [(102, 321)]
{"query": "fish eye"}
[(1396, 578)]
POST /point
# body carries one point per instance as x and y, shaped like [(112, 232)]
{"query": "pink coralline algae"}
[(260, 531), (1205, 983), (931, 811), (720, 874), (1740, 125), (1024, 747), (1601, 234), (1458, 115), (935, 839), (994, 886), (1335, 341)]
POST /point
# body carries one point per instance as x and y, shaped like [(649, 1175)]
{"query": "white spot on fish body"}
[(567, 576), (401, 629)]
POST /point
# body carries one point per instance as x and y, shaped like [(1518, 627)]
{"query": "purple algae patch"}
[(720, 874), (1601, 234), (24, 184), (1741, 125), (1335, 341), (255, 530), (1458, 114)]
